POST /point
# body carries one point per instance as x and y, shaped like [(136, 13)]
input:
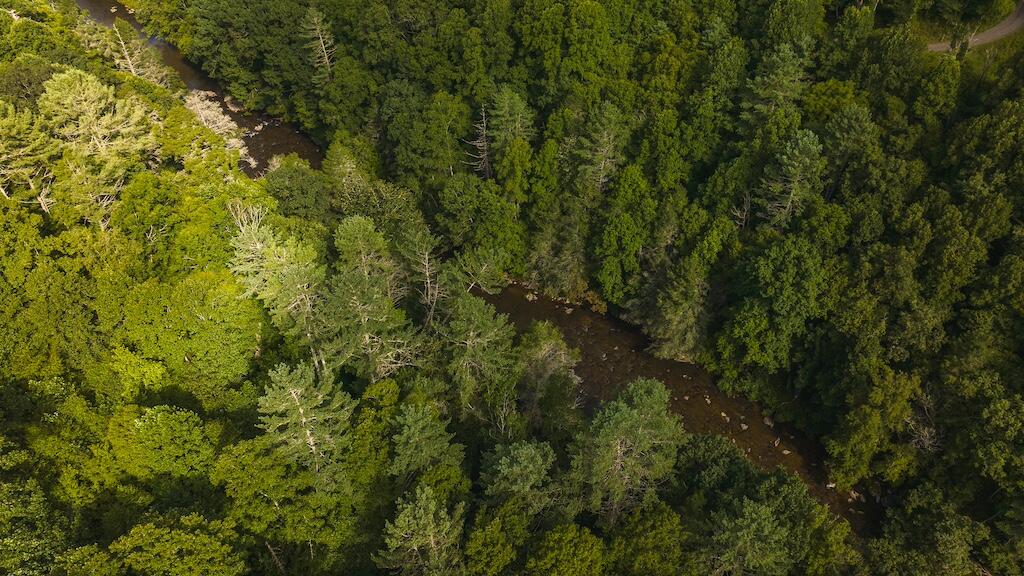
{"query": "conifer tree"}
[(306, 417), (423, 539)]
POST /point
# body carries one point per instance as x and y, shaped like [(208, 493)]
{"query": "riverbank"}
[(264, 136), (613, 353)]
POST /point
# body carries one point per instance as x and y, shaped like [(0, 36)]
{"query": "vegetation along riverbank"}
[(258, 312)]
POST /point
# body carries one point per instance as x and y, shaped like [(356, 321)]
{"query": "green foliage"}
[(676, 311), (550, 389), (282, 273), (160, 440), (421, 441), (207, 335), (568, 550), (632, 212), (519, 471), (927, 536), (33, 534), (629, 449), (22, 79), (476, 213), (650, 540), (192, 545), (789, 283), (295, 508), (488, 550), (24, 147), (431, 130), (423, 539), (300, 190), (186, 545), (304, 417), (95, 126), (791, 192), (510, 120), (362, 325), (482, 363), (751, 541)]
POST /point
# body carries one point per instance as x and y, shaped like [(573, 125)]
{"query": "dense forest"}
[(204, 372)]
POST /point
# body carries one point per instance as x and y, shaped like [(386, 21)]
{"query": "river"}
[(613, 353), (264, 136)]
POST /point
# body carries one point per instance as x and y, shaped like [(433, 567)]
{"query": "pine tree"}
[(482, 363), (796, 177), (283, 274), (752, 541), (511, 119), (630, 216), (480, 157), (422, 440), (320, 42), (25, 152), (110, 132), (306, 418), (629, 449), (520, 470), (364, 327), (423, 539), (122, 45), (135, 56), (601, 149), (420, 251)]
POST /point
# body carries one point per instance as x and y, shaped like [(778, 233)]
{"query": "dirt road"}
[(1009, 25)]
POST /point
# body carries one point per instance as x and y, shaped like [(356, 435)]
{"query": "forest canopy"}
[(211, 371)]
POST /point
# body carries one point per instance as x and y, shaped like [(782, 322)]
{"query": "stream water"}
[(613, 353), (264, 136)]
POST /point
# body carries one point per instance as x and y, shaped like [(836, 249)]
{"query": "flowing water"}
[(613, 353), (264, 136)]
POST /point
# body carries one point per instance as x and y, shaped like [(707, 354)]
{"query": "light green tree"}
[(32, 534), (482, 362), (629, 449), (198, 327), (423, 539), (510, 118), (160, 440), (25, 152), (306, 418), (520, 470), (421, 441), (796, 177), (122, 45), (289, 507), (320, 43), (363, 326), (108, 133), (284, 274)]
